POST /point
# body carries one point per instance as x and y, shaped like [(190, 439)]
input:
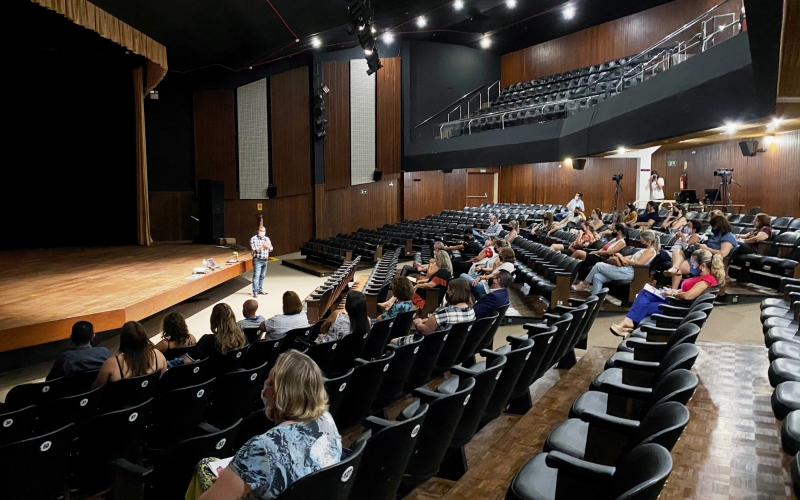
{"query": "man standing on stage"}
[(261, 246)]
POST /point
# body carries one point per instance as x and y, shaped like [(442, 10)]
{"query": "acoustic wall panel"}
[(253, 121), (362, 123)]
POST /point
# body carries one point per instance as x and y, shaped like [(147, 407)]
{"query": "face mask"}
[(261, 234), (694, 270), (715, 232)]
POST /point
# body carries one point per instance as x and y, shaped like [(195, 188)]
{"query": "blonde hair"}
[(227, 334), (650, 236), (713, 262), (514, 225), (299, 388), (443, 260)]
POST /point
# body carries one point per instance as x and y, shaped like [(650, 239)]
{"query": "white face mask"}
[(262, 234)]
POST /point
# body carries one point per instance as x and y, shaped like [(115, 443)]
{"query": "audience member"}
[(417, 269), (225, 336), (620, 268), (251, 324), (291, 319), (722, 242), (596, 219), (402, 293), (458, 309), (469, 246), (81, 358), (304, 439), (631, 215), (497, 296), (572, 220), (487, 252), (547, 226), (675, 221), (707, 271), (478, 281), (176, 333), (613, 247), (574, 203), (748, 243), (650, 217), (353, 320), (438, 280), (494, 229), (136, 357), (513, 232), (585, 239)]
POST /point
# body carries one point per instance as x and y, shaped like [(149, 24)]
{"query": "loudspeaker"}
[(749, 148), (272, 191), (447, 171), (212, 227), (377, 175), (211, 201), (578, 163)]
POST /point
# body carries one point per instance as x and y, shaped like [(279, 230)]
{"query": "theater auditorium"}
[(394, 249)]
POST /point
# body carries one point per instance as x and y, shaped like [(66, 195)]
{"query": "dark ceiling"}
[(239, 33)]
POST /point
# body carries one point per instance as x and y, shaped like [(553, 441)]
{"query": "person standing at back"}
[(574, 203), (261, 247), (656, 186), (83, 358)]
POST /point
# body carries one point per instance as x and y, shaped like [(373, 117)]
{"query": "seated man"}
[(251, 321), (647, 219), (493, 229), (497, 296), (469, 246), (574, 203), (83, 358)]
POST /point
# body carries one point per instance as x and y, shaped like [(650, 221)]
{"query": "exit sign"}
[(363, 191), (483, 170), (672, 163)]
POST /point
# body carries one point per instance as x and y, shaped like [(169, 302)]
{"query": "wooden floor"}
[(730, 449), (44, 291)]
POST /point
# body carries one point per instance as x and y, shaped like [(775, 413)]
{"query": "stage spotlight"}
[(621, 150), (421, 22), (388, 38), (486, 42), (569, 11), (361, 16), (511, 3), (567, 161), (731, 127), (458, 5), (768, 140), (316, 43)]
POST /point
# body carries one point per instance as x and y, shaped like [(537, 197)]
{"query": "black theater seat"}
[(784, 349), (779, 334), (784, 370), (790, 433), (785, 399), (654, 351)]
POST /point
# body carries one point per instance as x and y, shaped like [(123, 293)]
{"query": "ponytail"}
[(718, 268)]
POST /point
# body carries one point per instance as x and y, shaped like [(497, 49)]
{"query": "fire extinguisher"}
[(684, 181)]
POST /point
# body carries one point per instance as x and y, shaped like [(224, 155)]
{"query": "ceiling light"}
[(774, 123), (316, 43), (388, 38), (373, 30), (569, 11), (567, 161), (511, 3), (367, 52), (486, 42), (421, 22), (731, 127), (458, 4), (621, 150), (768, 140)]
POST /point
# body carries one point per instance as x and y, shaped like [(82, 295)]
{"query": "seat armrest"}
[(610, 422), (376, 423), (462, 371), (664, 319), (129, 479), (534, 328), (625, 390), (641, 366), (579, 468), (671, 310)]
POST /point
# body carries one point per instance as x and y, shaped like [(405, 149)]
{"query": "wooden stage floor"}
[(44, 291)]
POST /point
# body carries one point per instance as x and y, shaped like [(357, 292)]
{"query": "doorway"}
[(481, 188)]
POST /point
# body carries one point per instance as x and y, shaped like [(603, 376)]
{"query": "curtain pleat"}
[(142, 197)]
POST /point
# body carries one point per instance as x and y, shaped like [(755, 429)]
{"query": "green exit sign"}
[(483, 170), (672, 163)]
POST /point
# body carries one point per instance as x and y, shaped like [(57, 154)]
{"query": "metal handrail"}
[(639, 68), (449, 106)]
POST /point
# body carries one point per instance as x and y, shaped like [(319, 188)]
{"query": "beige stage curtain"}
[(89, 16), (142, 197)]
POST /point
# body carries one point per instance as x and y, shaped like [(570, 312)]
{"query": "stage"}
[(44, 291)]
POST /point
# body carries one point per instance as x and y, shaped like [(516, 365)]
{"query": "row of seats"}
[(319, 302), (779, 317)]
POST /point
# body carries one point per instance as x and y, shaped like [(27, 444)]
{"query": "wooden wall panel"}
[(345, 210), (169, 215), (289, 221), (789, 83), (215, 138), (770, 180), (336, 75), (622, 37), (430, 192), (547, 183), (290, 127), (388, 117)]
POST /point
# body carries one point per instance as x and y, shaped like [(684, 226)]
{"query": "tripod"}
[(619, 197), (723, 194)]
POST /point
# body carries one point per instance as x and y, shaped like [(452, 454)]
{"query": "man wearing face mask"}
[(574, 203), (497, 296), (261, 247)]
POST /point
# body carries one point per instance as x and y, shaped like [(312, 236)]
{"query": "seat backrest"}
[(361, 390), (380, 472), (426, 358), (696, 318), (36, 393), (402, 324), (475, 336), (183, 376), (663, 425), (396, 376), (516, 357), (486, 376), (233, 396), (77, 409), (253, 334), (307, 332), (336, 387), (684, 334), (377, 339), (336, 480), (17, 424), (562, 325), (176, 413), (131, 391), (541, 343), (324, 355), (488, 339), (263, 351), (37, 466), (177, 352), (94, 451), (678, 385), (349, 349), (572, 333), (678, 357), (225, 363), (641, 474), (452, 346)]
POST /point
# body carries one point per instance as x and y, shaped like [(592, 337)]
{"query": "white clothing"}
[(576, 203), (282, 323), (656, 191)]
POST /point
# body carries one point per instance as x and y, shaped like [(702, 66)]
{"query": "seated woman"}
[(291, 319), (438, 280), (722, 242), (402, 293), (596, 219), (619, 268), (613, 247), (547, 226), (748, 243), (304, 439), (176, 333), (458, 309), (631, 215), (513, 232), (487, 252), (415, 269), (225, 336), (353, 319), (689, 235), (675, 220), (707, 271), (136, 357), (479, 282), (585, 239)]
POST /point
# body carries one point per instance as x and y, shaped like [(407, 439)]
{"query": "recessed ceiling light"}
[(458, 4), (568, 12), (621, 150), (731, 127), (768, 140), (567, 161), (511, 3), (388, 38), (421, 22), (373, 30), (486, 42), (316, 43)]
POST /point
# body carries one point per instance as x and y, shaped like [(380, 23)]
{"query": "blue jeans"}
[(646, 304), (602, 273), (478, 236), (561, 216), (259, 271), (479, 291)]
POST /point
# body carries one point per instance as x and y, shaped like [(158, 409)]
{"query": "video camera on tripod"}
[(723, 172), (618, 177)]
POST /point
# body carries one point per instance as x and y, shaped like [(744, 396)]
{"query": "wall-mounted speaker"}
[(211, 201), (749, 148), (377, 175), (447, 171), (272, 191), (579, 163)]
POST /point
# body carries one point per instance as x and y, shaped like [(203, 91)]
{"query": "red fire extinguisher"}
[(684, 181)]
